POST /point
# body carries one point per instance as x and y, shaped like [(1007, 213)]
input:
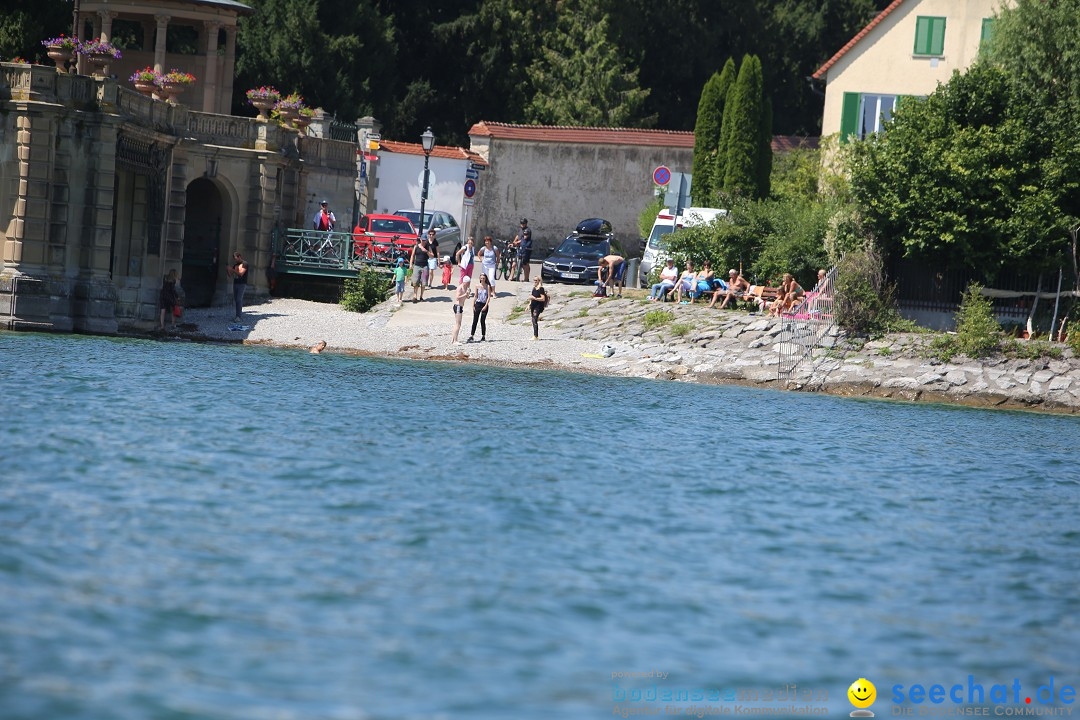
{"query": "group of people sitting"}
[(695, 284)]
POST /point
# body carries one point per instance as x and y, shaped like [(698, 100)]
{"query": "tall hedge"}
[(744, 141), (707, 132)]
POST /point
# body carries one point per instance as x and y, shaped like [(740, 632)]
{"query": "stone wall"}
[(705, 345), (556, 185)]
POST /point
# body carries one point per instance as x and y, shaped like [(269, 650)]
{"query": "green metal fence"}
[(318, 252)]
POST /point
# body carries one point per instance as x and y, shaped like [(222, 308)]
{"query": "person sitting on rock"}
[(736, 287)]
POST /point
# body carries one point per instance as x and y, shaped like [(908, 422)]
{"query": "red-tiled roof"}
[(442, 151), (587, 135), (784, 143), (853, 41)]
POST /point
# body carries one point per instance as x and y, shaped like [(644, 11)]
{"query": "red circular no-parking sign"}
[(470, 188), (661, 175)]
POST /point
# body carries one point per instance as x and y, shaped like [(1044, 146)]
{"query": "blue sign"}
[(470, 188), (661, 175), (477, 166), (472, 174)]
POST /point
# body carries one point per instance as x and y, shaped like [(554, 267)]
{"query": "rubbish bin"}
[(633, 266)]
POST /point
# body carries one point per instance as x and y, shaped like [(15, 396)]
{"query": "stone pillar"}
[(25, 248), (366, 186), (105, 18), (225, 95), (210, 84), (159, 44)]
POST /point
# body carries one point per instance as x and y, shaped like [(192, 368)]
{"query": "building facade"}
[(907, 50), (104, 190)]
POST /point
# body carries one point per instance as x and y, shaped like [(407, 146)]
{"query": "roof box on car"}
[(593, 226)]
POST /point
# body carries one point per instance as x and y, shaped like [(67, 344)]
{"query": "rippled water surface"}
[(197, 531)]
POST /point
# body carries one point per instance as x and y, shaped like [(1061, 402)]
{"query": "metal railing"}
[(336, 253), (803, 328)]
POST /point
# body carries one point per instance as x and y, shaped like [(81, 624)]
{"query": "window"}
[(930, 36), (987, 35), (864, 114)]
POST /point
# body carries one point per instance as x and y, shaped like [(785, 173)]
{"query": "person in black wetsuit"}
[(537, 304), (167, 300)]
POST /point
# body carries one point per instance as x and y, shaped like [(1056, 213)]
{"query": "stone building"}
[(104, 190), (557, 176)]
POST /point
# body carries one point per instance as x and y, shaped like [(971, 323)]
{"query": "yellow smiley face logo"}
[(862, 693)]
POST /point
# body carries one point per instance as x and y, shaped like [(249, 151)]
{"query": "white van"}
[(665, 223)]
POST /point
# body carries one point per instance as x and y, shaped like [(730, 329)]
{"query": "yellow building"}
[(908, 49)]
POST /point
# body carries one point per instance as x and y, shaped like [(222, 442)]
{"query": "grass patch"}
[(583, 312), (680, 329), (657, 318), (516, 312), (885, 352), (1031, 350)]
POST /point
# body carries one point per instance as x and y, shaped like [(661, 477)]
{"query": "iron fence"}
[(347, 131), (921, 288), (321, 252), (803, 328)]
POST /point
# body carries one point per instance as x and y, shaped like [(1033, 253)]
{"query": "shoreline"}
[(698, 344)]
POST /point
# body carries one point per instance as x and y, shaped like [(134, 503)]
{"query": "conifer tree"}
[(765, 156), (719, 164), (707, 131), (581, 78), (740, 176)]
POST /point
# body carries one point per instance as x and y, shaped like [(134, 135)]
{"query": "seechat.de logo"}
[(862, 694)]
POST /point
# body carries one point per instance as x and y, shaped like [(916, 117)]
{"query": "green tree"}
[(765, 153), (707, 131), (581, 78), (314, 47), (958, 180), (718, 168), (743, 142), (23, 28)]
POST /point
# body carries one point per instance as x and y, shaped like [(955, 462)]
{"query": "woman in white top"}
[(489, 257), (480, 307), (465, 258)]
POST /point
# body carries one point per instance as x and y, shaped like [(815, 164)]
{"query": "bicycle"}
[(508, 264)]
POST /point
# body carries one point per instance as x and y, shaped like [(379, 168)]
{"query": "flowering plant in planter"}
[(71, 44), (177, 77), (97, 47), (146, 75), (292, 102), (307, 113), (266, 93), (18, 59)]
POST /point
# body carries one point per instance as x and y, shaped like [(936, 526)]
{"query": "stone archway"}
[(206, 240)]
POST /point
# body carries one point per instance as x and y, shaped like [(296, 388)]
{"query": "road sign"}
[(470, 188), (661, 175), (477, 166), (472, 174), (468, 202)]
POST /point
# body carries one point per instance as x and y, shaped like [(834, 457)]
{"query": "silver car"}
[(447, 232)]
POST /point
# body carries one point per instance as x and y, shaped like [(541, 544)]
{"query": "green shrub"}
[(365, 291), (657, 318), (1072, 338), (865, 303), (680, 329), (648, 216), (977, 332)]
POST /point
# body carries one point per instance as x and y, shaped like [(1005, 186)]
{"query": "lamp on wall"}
[(427, 141)]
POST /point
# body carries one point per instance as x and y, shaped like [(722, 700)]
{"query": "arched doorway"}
[(206, 226)]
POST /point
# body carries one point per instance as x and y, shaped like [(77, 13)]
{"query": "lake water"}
[(200, 531)]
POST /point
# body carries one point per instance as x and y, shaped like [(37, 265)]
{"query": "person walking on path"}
[(537, 303), (465, 257), (480, 308), (399, 280), (523, 241), (324, 219), (433, 257), (460, 297), (167, 300), (418, 258), (489, 259), (238, 271)]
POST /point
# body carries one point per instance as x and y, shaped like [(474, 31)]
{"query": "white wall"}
[(400, 178)]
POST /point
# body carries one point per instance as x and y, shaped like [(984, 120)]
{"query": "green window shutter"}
[(849, 116), (929, 36), (987, 35)]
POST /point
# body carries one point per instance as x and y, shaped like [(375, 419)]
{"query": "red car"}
[(383, 237)]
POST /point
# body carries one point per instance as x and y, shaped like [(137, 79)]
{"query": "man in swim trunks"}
[(613, 267)]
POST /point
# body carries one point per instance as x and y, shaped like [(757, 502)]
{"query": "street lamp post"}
[(427, 141)]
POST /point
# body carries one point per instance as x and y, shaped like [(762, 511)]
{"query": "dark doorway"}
[(203, 238)]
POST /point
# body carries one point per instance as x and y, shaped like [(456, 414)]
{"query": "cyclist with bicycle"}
[(523, 243)]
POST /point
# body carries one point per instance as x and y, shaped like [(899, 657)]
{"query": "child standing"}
[(399, 280), (447, 272)]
